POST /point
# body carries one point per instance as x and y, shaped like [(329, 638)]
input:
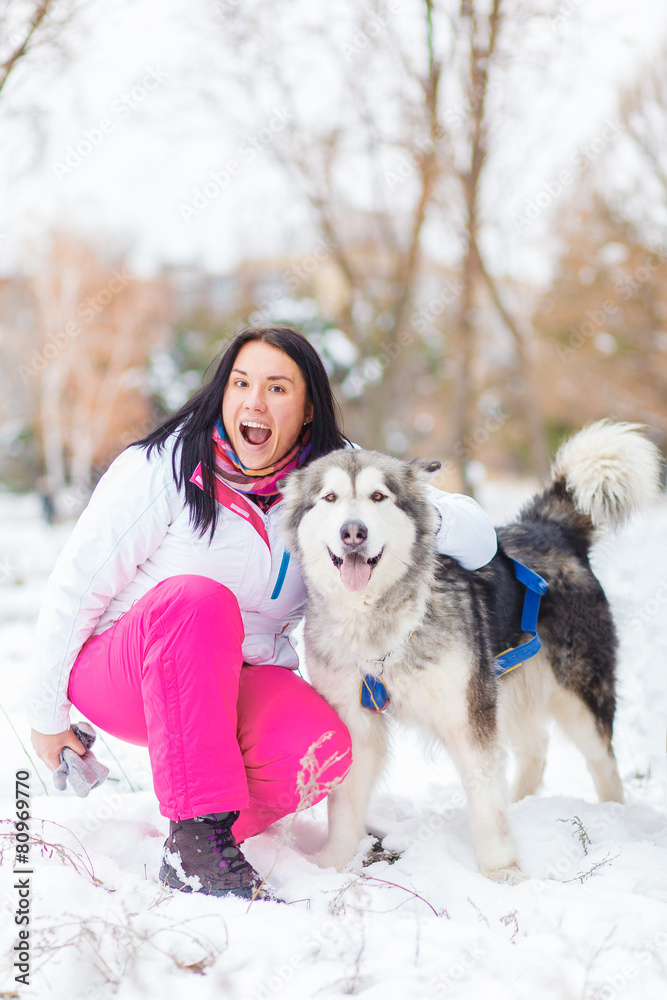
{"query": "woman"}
[(172, 605)]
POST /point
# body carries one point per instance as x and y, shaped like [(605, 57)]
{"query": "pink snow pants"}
[(221, 735)]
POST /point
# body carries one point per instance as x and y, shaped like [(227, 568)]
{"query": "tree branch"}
[(40, 13)]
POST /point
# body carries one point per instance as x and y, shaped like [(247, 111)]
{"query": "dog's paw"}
[(510, 875), (328, 860), (334, 857)]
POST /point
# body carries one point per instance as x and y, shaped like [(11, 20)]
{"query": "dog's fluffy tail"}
[(611, 469), (600, 477)]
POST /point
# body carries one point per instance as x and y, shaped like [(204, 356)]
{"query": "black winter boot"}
[(201, 855)]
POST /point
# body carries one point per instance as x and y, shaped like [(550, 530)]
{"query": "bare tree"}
[(28, 27), (643, 109), (639, 191), (83, 369), (58, 289), (481, 26), (412, 125), (603, 321), (120, 346)]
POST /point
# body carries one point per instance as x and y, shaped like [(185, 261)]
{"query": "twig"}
[(582, 876), (338, 905), (511, 918), (67, 829), (582, 832), (309, 787), (397, 885), (120, 766), (34, 767), (100, 929), (594, 955), (351, 987), (481, 915), (64, 853)]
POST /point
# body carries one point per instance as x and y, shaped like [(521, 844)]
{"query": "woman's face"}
[(265, 404)]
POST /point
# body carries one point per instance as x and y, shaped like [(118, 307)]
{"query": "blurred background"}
[(462, 203)]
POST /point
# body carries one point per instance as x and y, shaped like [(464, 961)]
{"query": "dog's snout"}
[(353, 533)]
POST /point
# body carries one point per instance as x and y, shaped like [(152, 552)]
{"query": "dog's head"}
[(358, 520)]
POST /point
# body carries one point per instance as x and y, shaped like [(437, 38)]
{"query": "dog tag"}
[(373, 694)]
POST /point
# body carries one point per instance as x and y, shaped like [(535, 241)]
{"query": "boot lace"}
[(232, 856)]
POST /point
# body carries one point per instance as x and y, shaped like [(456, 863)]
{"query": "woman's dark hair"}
[(195, 420)]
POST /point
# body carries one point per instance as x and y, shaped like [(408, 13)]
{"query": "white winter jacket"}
[(135, 532)]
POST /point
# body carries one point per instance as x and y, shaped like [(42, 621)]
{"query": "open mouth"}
[(254, 432), (355, 569)]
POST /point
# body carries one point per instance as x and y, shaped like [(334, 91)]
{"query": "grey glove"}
[(85, 771)]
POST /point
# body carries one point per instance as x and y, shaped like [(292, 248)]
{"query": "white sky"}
[(128, 190)]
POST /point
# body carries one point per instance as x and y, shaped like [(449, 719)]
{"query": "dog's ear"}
[(286, 485), (424, 470)]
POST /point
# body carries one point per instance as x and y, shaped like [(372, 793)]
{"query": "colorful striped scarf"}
[(259, 484)]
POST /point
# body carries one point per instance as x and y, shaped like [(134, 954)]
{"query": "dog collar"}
[(381, 659), (372, 692)]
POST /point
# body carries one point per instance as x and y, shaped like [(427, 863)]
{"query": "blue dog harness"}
[(535, 586), (374, 695)]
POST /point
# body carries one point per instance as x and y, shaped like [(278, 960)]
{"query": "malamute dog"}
[(382, 603)]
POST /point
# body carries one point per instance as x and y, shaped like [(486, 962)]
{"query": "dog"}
[(382, 603)]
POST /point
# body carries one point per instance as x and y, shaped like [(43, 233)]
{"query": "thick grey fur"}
[(442, 679)]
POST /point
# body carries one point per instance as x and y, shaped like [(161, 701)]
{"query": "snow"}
[(591, 921)]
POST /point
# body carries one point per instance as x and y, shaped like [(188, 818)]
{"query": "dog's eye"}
[(330, 497), (377, 496)]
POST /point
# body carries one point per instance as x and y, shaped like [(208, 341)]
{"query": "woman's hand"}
[(48, 746)]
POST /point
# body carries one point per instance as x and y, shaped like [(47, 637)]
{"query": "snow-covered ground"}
[(590, 923)]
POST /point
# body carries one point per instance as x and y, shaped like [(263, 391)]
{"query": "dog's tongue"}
[(257, 435), (355, 572)]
